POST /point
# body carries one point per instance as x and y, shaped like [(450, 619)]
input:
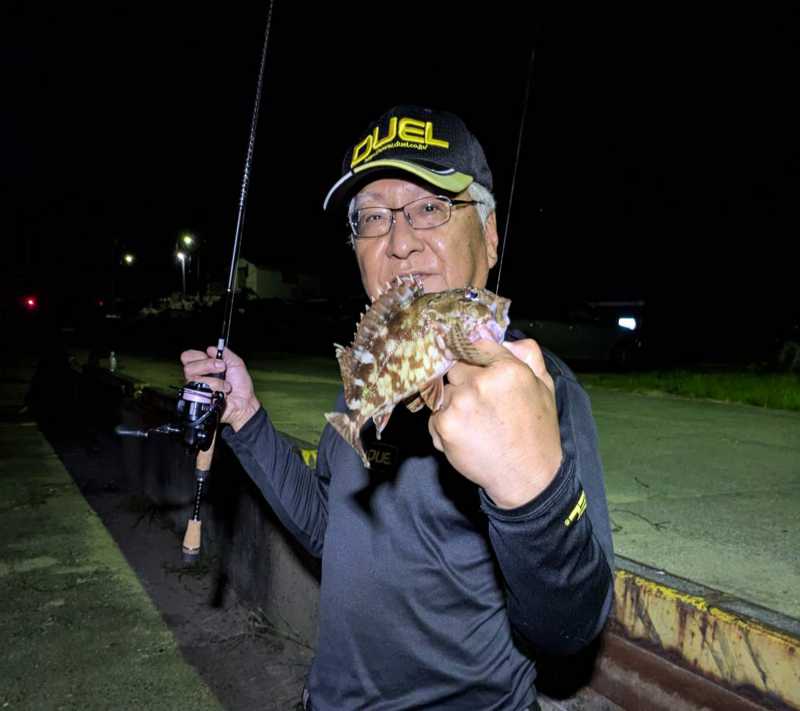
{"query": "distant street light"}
[(190, 245), (129, 259), (31, 302), (182, 259)]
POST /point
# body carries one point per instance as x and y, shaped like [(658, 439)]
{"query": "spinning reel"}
[(198, 408)]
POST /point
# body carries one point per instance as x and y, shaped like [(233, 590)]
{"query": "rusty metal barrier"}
[(746, 649)]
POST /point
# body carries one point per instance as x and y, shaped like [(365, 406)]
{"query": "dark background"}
[(660, 158)]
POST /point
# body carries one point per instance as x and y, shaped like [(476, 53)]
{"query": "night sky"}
[(660, 161)]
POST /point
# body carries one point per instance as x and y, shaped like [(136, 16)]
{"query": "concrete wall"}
[(241, 536)]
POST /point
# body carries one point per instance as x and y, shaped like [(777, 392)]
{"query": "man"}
[(481, 529)]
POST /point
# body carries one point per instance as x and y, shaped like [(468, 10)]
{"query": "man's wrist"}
[(245, 414), (511, 498), (511, 493)]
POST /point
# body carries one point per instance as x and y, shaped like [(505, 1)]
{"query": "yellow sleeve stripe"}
[(309, 457), (577, 511)]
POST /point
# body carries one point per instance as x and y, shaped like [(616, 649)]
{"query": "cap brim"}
[(445, 178)]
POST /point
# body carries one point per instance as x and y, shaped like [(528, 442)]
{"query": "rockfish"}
[(403, 346)]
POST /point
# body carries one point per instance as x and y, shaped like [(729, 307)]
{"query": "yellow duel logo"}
[(405, 129), (576, 512)]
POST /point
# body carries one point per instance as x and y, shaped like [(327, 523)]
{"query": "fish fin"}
[(372, 343), (381, 421), (463, 349), (353, 385), (372, 326), (348, 427), (433, 393), (415, 403)]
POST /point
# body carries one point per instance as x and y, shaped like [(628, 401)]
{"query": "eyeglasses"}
[(424, 213)]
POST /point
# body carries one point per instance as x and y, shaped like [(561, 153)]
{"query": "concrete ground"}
[(98, 612), (78, 630), (706, 491)]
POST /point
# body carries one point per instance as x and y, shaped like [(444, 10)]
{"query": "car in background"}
[(787, 350), (587, 334)]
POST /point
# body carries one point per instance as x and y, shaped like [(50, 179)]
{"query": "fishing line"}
[(528, 82)]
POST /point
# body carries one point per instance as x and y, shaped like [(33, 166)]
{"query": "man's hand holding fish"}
[(498, 424)]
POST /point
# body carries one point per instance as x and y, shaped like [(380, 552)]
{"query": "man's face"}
[(456, 254)]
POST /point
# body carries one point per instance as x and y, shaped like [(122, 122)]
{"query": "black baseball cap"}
[(435, 146)]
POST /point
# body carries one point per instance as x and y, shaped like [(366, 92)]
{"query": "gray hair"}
[(486, 205), (486, 202)]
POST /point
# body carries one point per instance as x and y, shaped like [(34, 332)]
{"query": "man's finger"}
[(205, 366), (190, 356), (529, 352), (227, 355), (490, 348), (462, 371), (215, 384)]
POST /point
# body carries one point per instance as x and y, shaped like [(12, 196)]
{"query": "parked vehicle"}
[(788, 343), (601, 333)]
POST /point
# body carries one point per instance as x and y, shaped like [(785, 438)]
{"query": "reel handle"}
[(123, 431)]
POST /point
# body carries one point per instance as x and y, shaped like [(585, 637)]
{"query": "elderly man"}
[(480, 530)]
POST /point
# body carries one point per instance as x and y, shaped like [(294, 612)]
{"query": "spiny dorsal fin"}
[(358, 363), (395, 297)]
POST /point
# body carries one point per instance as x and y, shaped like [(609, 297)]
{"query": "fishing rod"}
[(200, 407)]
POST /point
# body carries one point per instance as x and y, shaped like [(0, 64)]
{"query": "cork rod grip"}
[(193, 537)]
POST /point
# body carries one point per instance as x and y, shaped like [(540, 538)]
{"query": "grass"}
[(291, 386), (295, 389), (763, 389)]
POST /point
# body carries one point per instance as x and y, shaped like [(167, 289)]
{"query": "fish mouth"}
[(490, 331), (494, 329), (498, 331), (500, 311)]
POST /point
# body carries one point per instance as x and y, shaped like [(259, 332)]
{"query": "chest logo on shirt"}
[(382, 456)]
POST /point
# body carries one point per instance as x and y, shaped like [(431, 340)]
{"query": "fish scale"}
[(403, 346)]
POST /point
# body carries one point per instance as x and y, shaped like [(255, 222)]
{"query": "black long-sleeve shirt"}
[(423, 577)]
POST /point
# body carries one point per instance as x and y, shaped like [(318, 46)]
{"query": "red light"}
[(30, 303)]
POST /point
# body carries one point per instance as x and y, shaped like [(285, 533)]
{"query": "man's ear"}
[(490, 235)]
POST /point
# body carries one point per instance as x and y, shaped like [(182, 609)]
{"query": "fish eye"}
[(471, 293)]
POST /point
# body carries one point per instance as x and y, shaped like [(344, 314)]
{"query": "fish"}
[(404, 345)]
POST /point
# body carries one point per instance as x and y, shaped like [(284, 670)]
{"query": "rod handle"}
[(203, 461), (193, 538)]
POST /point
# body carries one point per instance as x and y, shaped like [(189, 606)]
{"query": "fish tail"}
[(348, 428)]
